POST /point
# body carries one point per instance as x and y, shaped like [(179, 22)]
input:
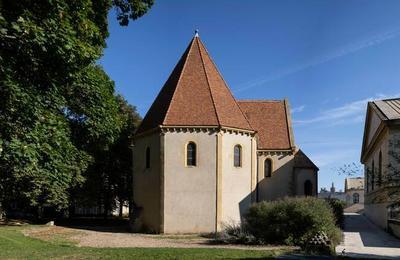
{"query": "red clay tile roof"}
[(195, 94), (271, 121)]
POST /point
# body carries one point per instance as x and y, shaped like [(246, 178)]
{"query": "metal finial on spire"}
[(196, 33)]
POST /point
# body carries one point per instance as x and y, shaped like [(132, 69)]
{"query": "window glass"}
[(191, 154)]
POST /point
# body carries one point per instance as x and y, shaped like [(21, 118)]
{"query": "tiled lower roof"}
[(271, 121)]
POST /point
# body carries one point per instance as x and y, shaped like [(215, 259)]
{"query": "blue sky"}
[(327, 57)]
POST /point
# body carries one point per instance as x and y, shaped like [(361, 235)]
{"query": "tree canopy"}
[(58, 106)]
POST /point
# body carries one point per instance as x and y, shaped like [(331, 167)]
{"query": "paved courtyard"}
[(364, 239)]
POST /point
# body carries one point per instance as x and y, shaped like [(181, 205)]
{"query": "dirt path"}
[(89, 238)]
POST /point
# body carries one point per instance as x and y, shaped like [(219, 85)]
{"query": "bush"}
[(337, 207), (292, 221), (235, 234)]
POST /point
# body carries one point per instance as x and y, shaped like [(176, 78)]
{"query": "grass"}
[(14, 245)]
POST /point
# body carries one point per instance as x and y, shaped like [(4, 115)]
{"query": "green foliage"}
[(337, 207), (57, 106), (291, 221), (131, 9), (110, 178)]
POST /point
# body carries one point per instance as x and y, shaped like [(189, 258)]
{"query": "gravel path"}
[(89, 238), (108, 239)]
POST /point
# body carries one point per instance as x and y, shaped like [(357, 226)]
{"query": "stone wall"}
[(236, 181), (146, 182), (301, 176), (281, 183), (190, 191)]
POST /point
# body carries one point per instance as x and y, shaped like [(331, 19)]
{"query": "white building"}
[(381, 158), (354, 189)]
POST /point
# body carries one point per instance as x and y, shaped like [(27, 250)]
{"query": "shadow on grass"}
[(99, 225)]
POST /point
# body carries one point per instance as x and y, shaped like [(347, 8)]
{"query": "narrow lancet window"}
[(147, 157), (380, 169), (237, 162), (373, 176), (191, 154), (267, 167)]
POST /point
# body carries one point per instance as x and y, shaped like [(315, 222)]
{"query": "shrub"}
[(233, 233), (337, 207), (292, 221)]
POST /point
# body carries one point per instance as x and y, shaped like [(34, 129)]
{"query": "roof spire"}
[(196, 33)]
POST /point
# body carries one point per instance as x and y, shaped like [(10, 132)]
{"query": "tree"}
[(57, 106), (120, 165), (109, 178), (350, 169)]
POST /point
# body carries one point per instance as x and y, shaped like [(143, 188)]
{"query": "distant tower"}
[(333, 188)]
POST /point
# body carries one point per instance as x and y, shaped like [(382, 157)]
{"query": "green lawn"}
[(14, 245)]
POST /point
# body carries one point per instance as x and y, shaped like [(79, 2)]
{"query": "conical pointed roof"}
[(195, 94)]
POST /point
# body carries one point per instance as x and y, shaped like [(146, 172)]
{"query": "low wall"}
[(377, 213), (394, 227)]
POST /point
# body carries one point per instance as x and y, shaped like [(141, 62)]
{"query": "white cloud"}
[(298, 109), (340, 52), (353, 112)]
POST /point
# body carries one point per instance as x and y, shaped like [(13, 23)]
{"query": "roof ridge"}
[(288, 122), (387, 99), (208, 82), (177, 83), (376, 107), (226, 85)]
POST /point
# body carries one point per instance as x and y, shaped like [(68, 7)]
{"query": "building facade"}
[(201, 157), (354, 190), (381, 158)]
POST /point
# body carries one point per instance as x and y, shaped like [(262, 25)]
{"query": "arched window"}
[(148, 157), (373, 176), (356, 198), (268, 167), (308, 187), (380, 169), (191, 154), (237, 160)]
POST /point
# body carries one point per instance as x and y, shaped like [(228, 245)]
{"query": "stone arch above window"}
[(267, 168), (237, 157), (191, 154), (147, 157)]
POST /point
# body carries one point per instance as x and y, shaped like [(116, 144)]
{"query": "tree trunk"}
[(121, 207)]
